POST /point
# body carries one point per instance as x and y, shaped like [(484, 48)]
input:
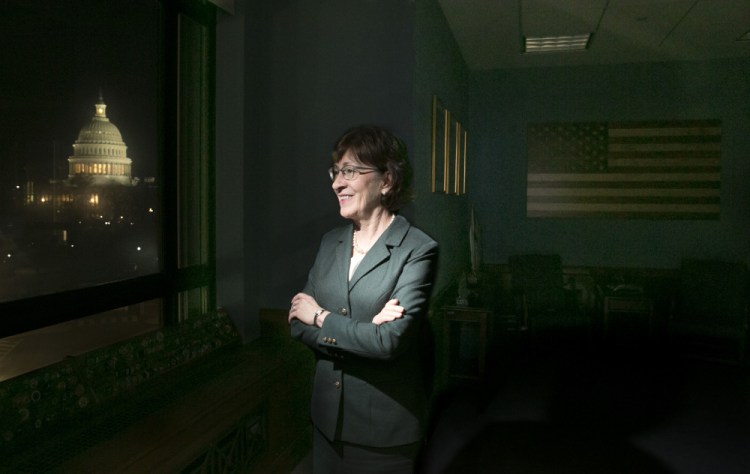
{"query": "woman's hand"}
[(390, 311), (303, 308)]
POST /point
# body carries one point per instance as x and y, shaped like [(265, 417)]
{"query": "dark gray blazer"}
[(369, 386)]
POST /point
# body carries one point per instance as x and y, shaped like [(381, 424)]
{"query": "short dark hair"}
[(377, 147)]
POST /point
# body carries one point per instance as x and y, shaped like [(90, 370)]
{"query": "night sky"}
[(56, 56)]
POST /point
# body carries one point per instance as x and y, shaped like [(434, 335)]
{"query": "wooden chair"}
[(543, 303)]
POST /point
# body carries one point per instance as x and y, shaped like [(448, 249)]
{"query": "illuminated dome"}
[(99, 154)]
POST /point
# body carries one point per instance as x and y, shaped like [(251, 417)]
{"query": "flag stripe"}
[(666, 131), (541, 200), (626, 184), (663, 162), (669, 170), (629, 207), (625, 192), (664, 146), (686, 154), (623, 177), (641, 214)]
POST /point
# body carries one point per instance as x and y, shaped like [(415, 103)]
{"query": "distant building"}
[(99, 184), (99, 154)]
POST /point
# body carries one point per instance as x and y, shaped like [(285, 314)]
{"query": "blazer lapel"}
[(381, 251)]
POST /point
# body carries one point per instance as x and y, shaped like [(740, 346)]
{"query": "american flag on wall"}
[(657, 170)]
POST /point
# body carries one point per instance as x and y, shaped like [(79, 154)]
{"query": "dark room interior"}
[(590, 310)]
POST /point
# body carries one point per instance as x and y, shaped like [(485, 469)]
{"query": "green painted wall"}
[(441, 71)]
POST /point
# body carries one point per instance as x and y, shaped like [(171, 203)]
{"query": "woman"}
[(363, 313)]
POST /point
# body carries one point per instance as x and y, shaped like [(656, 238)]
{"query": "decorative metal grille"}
[(236, 451)]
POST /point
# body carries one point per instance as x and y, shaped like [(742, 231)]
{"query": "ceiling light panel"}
[(551, 44)]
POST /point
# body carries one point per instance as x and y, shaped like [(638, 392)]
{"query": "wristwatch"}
[(315, 318)]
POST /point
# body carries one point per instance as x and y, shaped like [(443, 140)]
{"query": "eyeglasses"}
[(349, 172)]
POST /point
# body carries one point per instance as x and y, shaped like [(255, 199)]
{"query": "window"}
[(106, 171)]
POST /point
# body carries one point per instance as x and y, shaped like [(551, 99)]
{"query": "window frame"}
[(171, 281)]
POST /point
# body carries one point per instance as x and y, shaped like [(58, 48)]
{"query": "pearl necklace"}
[(356, 247)]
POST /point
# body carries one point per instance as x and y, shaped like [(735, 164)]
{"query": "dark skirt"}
[(337, 457)]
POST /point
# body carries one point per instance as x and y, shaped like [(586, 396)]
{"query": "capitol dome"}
[(99, 154)]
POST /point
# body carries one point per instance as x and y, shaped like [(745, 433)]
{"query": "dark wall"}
[(312, 69), (440, 71), (503, 102), (232, 279)]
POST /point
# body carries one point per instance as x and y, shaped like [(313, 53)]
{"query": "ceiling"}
[(490, 32)]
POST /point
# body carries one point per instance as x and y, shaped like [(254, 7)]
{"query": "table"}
[(465, 341)]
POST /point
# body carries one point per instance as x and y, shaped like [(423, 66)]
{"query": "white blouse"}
[(356, 260)]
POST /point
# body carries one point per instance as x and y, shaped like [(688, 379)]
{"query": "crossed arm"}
[(304, 308), (382, 336)]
